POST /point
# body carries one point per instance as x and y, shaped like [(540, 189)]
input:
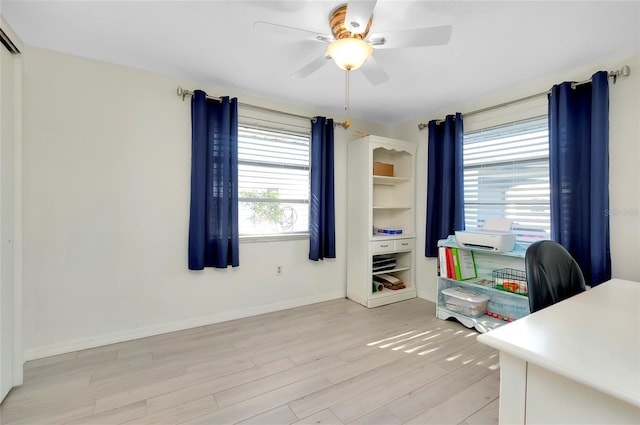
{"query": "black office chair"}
[(552, 274)]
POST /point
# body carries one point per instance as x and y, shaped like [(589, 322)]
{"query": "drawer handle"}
[(384, 246), (404, 243)]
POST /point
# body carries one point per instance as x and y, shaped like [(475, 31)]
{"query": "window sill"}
[(273, 238)]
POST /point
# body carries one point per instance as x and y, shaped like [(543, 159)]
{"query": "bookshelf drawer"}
[(404, 244), (379, 247)]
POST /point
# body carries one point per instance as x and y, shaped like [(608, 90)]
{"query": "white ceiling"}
[(495, 45)]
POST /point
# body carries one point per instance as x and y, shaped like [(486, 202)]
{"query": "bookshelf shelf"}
[(394, 207), (388, 296), (382, 237), (390, 181), (398, 269)]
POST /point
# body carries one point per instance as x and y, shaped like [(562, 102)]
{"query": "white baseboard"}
[(128, 335)]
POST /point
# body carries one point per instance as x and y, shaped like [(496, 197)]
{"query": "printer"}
[(495, 236)]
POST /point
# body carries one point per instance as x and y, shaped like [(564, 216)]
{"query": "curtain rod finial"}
[(625, 71), (181, 92)]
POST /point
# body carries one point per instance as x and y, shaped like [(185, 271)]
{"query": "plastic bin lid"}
[(466, 294)]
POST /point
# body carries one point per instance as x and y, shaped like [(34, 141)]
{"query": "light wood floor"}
[(329, 363)]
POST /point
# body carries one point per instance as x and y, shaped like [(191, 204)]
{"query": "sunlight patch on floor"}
[(390, 338), (423, 343)]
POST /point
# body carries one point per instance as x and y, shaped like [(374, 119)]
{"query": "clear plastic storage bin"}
[(465, 301)]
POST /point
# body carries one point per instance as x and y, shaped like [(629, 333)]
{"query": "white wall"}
[(11, 353), (106, 166), (624, 157), (106, 158)]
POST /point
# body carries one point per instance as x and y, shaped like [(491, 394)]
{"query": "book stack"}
[(456, 263), (389, 281)]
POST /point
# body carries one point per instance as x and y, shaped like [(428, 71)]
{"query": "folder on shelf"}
[(464, 264), (382, 263), (442, 259), (451, 271)]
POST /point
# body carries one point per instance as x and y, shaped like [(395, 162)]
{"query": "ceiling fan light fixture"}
[(349, 53)]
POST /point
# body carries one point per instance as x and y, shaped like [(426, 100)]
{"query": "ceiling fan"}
[(351, 44)]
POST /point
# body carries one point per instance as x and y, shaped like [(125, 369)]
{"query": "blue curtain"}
[(579, 173), (445, 185), (213, 219), (322, 221)]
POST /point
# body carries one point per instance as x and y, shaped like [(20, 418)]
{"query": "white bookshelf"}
[(385, 202)]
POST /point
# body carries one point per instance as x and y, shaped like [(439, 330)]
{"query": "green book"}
[(464, 264), (456, 264)]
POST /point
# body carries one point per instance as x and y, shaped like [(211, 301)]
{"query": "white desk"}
[(577, 361)]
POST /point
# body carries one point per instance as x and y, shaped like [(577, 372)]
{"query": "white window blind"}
[(506, 175), (273, 181)]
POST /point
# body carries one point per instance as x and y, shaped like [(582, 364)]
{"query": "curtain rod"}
[(184, 93), (624, 72)]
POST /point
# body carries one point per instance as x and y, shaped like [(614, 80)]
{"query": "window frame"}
[(274, 124), (536, 160)]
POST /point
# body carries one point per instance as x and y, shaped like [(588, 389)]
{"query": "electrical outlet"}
[(278, 270)]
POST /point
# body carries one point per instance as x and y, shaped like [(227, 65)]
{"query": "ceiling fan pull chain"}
[(346, 93)]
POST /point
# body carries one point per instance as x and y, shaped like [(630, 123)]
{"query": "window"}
[(506, 175), (273, 181)]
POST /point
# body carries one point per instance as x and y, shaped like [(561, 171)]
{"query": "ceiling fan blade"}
[(311, 67), (358, 14), (286, 31), (374, 72), (432, 36)]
